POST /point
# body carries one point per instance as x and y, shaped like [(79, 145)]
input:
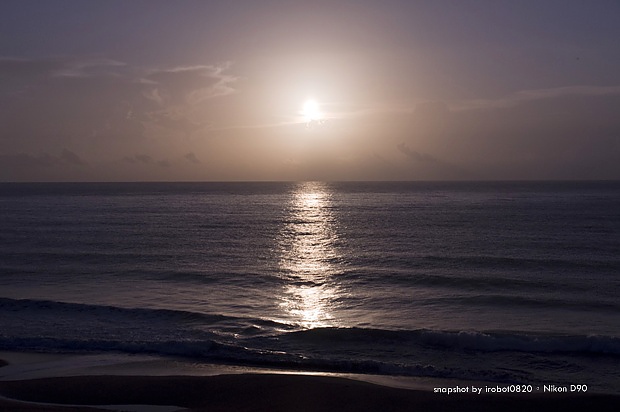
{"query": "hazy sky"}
[(215, 90)]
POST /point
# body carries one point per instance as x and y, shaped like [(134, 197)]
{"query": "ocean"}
[(506, 282)]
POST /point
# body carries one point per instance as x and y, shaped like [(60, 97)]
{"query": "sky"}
[(401, 90)]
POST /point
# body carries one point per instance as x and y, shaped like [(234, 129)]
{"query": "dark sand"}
[(273, 392), (269, 392)]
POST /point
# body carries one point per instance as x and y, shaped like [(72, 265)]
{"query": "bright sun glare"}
[(311, 111)]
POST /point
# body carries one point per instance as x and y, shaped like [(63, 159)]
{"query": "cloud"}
[(176, 119), (139, 158), (44, 160), (18, 75), (47, 110), (189, 85), (427, 167), (415, 155), (89, 67), (550, 134), (104, 101), (45, 166), (109, 109), (145, 160), (525, 96), (191, 157), (26, 160), (23, 73), (431, 109), (70, 157)]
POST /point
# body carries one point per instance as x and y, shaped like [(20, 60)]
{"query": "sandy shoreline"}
[(263, 392), (268, 392)]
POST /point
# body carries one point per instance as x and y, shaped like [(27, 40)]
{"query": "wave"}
[(461, 281), (214, 352), (405, 261), (489, 342), (510, 357), (466, 340), (137, 316), (498, 300), (246, 328)]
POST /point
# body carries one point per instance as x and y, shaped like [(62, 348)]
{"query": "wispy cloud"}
[(524, 96), (106, 99), (415, 155), (189, 84), (175, 119), (84, 67)]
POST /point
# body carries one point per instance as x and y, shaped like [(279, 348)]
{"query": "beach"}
[(265, 392), (287, 295)]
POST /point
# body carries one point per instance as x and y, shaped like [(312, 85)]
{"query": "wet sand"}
[(265, 392), (269, 392)]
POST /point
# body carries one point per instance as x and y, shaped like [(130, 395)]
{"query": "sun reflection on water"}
[(308, 258)]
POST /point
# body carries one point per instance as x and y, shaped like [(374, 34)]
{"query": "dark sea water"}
[(503, 282)]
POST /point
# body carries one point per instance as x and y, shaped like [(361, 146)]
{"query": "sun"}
[(311, 111)]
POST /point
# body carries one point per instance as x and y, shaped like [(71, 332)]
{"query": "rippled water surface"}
[(510, 282)]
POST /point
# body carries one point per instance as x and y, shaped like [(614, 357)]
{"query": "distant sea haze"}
[(507, 282)]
